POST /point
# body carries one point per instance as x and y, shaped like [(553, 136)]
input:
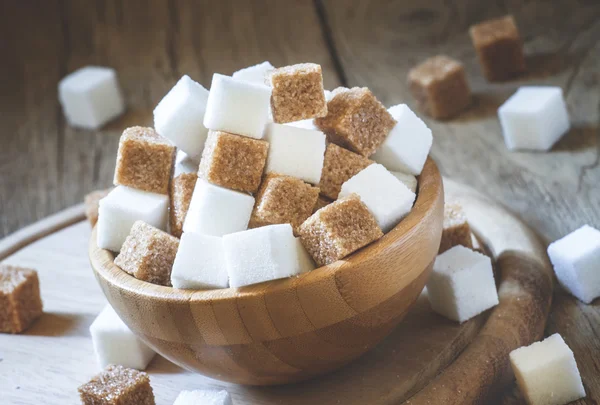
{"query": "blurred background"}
[(46, 166)]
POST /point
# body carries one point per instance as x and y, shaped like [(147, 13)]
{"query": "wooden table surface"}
[(45, 165)]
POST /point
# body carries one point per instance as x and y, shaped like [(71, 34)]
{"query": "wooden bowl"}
[(286, 330)]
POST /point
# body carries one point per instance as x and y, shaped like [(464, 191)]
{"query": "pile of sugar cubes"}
[(265, 176)]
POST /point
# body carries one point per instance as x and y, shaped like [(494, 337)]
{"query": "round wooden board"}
[(425, 353)]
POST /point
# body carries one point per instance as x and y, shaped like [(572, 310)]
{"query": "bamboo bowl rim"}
[(429, 188)]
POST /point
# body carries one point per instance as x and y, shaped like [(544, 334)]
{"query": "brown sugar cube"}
[(456, 228), (298, 93), (91, 202), (335, 231), (339, 165), (148, 254), (321, 202), (117, 385), (180, 195), (356, 120), (233, 161), (440, 87), (283, 200), (20, 302), (499, 48), (144, 161)]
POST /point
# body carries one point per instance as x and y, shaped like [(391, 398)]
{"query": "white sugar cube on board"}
[(203, 397), (576, 261), (237, 107), (254, 74), (406, 147), (462, 284), (296, 152), (115, 343), (200, 263), (123, 206), (262, 254), (91, 96), (534, 118), (386, 197), (217, 211), (408, 180), (547, 373), (179, 115)]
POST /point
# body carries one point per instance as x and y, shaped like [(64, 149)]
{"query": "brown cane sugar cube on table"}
[(440, 87), (180, 195), (298, 93), (20, 302), (117, 385), (456, 228), (499, 48), (339, 229), (91, 203), (339, 166), (233, 161), (148, 254), (283, 200), (144, 160), (356, 120)]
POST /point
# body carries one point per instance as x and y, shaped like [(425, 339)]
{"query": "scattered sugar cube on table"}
[(90, 97), (576, 261), (456, 229), (534, 118), (233, 161), (461, 284), (297, 93), (356, 120), (217, 211), (339, 165), (91, 202), (200, 263), (203, 397), (339, 229), (144, 160), (386, 197), (254, 74), (118, 385), (440, 87), (179, 115), (408, 180), (115, 343), (262, 254), (148, 254), (20, 301), (118, 211), (406, 147), (180, 196), (547, 373), (499, 48), (237, 107), (295, 152)]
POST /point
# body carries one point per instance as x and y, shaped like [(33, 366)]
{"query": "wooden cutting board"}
[(447, 362)]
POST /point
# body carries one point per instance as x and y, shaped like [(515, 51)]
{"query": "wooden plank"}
[(555, 193), (47, 165)]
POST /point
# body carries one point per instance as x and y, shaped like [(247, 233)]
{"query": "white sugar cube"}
[(408, 180), (217, 211), (200, 263), (115, 343), (461, 284), (237, 107), (407, 145), (179, 116), (386, 197), (328, 95), (262, 254), (306, 124), (122, 207), (547, 373), (203, 397), (534, 118), (297, 152), (183, 164), (254, 74), (576, 261), (91, 96)]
